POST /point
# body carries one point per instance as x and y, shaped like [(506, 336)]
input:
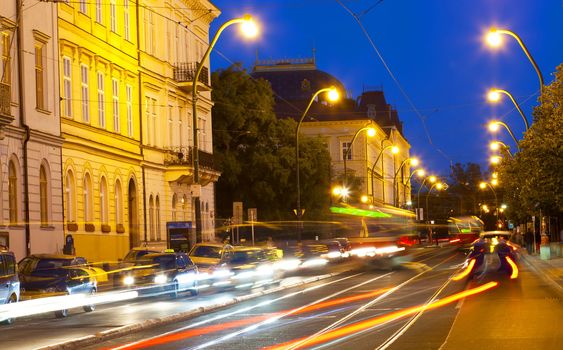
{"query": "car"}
[(335, 251), (46, 275), (136, 254), (210, 255), (9, 281), (492, 238), (120, 270), (250, 266), (171, 272)]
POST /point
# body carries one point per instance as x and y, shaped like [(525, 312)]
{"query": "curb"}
[(545, 276), (150, 323)]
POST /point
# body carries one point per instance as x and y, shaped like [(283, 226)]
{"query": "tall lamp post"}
[(483, 185), (413, 162), (494, 96), (370, 132), (250, 29), (332, 96), (439, 186), (495, 125), (394, 150), (432, 180), (494, 39)]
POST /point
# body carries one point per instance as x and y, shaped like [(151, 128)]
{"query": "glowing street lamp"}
[(333, 95), (413, 162), (483, 185), (495, 125), (394, 150), (432, 179), (494, 39), (370, 131), (250, 29), (494, 96), (495, 160), (497, 145)]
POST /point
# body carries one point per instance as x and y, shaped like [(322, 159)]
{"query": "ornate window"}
[(44, 196), (101, 101), (67, 87), (13, 192), (118, 203), (115, 104), (70, 197), (88, 195), (85, 102), (104, 201)]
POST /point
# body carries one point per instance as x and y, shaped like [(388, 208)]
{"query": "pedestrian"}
[(538, 241), (529, 240)]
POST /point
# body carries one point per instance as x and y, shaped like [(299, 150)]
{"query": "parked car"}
[(45, 275), (122, 269), (172, 272), (9, 281)]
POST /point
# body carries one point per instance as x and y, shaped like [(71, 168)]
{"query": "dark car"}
[(46, 275), (9, 282), (168, 271), (250, 266)]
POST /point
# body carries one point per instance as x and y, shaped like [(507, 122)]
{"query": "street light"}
[(413, 162), (494, 96), (439, 186), (394, 150), (497, 145), (370, 132), (494, 39), (495, 160), (249, 27), (332, 96), (483, 185), (432, 180), (495, 125)]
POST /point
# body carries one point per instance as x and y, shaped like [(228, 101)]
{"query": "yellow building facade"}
[(126, 122)]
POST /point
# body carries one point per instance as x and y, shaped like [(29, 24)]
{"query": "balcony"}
[(179, 164), (5, 105), (184, 74)]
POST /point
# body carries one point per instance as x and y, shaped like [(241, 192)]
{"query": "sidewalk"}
[(551, 271)]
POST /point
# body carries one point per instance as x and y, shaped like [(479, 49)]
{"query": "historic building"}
[(371, 158), (125, 120), (31, 204)]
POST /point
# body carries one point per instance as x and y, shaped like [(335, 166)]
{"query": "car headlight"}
[(221, 273), (160, 279), (129, 280)]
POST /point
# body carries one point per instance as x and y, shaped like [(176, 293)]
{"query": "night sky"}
[(434, 48)]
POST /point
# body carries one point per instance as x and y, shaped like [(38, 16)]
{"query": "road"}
[(362, 308)]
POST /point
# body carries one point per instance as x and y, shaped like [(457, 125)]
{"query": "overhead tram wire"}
[(402, 90)]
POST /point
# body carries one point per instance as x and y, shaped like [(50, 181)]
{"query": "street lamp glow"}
[(494, 182), (414, 162), (494, 126), (337, 191), (483, 185), (493, 95), (394, 149), (249, 27), (333, 94), (432, 179), (364, 199), (504, 206), (495, 175), (371, 132), (493, 38), (420, 172), (495, 146), (495, 160), (439, 186)]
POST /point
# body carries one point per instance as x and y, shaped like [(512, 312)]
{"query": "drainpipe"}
[(141, 125), (21, 101)]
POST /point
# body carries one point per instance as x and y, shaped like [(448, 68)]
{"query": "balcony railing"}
[(5, 99), (183, 156), (185, 72)]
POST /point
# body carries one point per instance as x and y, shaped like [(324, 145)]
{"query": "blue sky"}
[(435, 50)]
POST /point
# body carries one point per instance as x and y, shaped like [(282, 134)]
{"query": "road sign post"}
[(252, 217)]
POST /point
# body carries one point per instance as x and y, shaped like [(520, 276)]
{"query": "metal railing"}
[(183, 156), (185, 72)]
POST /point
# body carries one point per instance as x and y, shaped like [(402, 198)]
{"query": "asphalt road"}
[(415, 307)]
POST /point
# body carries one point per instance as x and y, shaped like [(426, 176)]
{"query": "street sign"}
[(237, 213), (252, 214)]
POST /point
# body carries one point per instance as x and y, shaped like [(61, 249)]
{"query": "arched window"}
[(157, 217), (88, 208), (118, 203), (104, 201), (151, 218), (174, 200), (13, 192), (70, 197), (43, 196)]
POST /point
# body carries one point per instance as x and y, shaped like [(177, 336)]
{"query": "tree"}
[(256, 152), (533, 179), (464, 185)]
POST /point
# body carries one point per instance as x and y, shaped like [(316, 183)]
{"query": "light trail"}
[(226, 315), (465, 272), (514, 273), (377, 321), (296, 345)]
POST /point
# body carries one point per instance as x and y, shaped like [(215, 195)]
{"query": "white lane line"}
[(277, 317), (363, 307), (246, 309)]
